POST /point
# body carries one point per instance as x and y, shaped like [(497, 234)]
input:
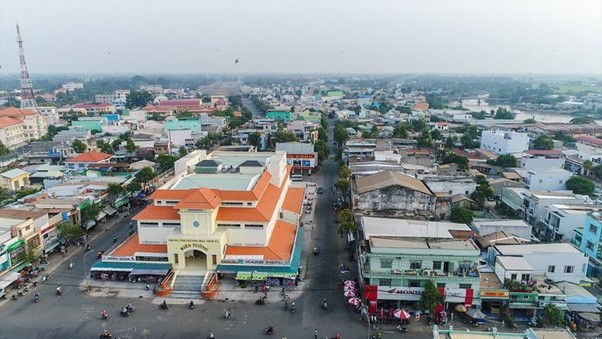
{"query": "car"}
[(320, 190)]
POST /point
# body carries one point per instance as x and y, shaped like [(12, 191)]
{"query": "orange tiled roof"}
[(152, 212), (263, 212), (293, 201), (133, 245), (251, 195), (9, 121), (90, 157), (280, 246), (203, 198), (15, 112)]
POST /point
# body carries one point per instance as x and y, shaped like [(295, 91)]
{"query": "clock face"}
[(196, 224)]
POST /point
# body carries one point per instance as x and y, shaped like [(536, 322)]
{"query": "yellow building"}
[(14, 179)]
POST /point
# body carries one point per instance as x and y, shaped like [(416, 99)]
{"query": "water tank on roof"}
[(596, 215)]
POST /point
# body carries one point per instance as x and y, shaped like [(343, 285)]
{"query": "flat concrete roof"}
[(221, 181), (384, 227), (514, 263), (536, 248)]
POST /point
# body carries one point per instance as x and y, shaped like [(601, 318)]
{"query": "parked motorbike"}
[(324, 304), (260, 301), (104, 315), (124, 312), (163, 306), (191, 305), (37, 297), (269, 330), (105, 334)]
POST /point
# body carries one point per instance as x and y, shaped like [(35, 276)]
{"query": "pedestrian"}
[(316, 333)]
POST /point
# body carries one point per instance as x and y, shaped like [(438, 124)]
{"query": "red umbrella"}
[(349, 288), (349, 294), (349, 283), (354, 301), (402, 314)]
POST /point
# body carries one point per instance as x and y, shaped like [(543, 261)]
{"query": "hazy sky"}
[(310, 36)]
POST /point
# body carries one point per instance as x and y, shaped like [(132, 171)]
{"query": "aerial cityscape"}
[(336, 169)]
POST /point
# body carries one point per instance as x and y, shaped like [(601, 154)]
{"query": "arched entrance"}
[(195, 260)]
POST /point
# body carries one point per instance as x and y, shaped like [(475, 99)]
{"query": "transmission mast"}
[(28, 99)]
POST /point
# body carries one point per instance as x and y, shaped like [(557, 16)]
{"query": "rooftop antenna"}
[(28, 99)]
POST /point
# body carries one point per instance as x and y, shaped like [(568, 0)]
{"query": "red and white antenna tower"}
[(28, 99)]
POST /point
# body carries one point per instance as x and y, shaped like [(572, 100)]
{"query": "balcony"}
[(421, 274)]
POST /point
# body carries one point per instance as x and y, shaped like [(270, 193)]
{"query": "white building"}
[(535, 203), (50, 113), (562, 220), (451, 184), (504, 142), (558, 262), (542, 159), (516, 227), (547, 179)]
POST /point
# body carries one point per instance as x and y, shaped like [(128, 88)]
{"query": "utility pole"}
[(28, 99)]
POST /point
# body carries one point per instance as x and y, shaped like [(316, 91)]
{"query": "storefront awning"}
[(588, 308), (20, 267), (104, 266), (89, 224), (269, 271), (8, 279), (109, 210), (120, 202), (251, 276), (158, 271), (100, 216), (591, 317)]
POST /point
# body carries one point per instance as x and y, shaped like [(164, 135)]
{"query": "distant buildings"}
[(504, 142), (19, 126)]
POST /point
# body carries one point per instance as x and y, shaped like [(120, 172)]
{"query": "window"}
[(513, 276), (440, 285), (540, 181), (589, 245), (171, 224), (384, 282), (525, 277), (231, 203), (551, 269), (593, 229), (568, 269), (436, 265), (465, 286), (415, 265), (253, 226), (171, 202), (414, 283), (386, 263), (560, 181), (229, 225), (149, 224), (583, 268)]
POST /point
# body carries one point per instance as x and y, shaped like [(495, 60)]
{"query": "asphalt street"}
[(77, 315)]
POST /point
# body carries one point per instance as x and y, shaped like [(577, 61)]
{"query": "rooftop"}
[(153, 212), (90, 157), (490, 281), (280, 246), (387, 179), (536, 248), (386, 227), (293, 201), (14, 173), (514, 263), (221, 181), (132, 246)]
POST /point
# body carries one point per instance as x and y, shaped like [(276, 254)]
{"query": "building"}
[(504, 142), (93, 109), (228, 213), (34, 123), (300, 156), (535, 203), (305, 131), (283, 115), (82, 161), (398, 256), (589, 240), (181, 105), (450, 184), (561, 221), (516, 227), (11, 132), (556, 262), (15, 179), (547, 179), (542, 159)]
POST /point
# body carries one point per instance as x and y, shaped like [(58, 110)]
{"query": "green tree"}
[(145, 176), (284, 136), (138, 99), (436, 135), (580, 185), (345, 215), (530, 121), (401, 131), (133, 187), (425, 140), (90, 213), (506, 160), (344, 172), (130, 146), (503, 113), (483, 191), (462, 215), (69, 231), (347, 226), (322, 134), (114, 190), (343, 184), (340, 134), (166, 161), (450, 142), (23, 192), (206, 99), (587, 165), (31, 256), (322, 149), (105, 147), (430, 298), (553, 314), (582, 120), (543, 142), (182, 151), (449, 157), (254, 139), (79, 146), (418, 125)]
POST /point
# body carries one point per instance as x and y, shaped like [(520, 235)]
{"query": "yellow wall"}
[(208, 245)]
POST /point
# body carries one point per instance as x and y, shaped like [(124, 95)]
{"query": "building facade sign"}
[(4, 263), (494, 294), (117, 258), (302, 160), (255, 262), (205, 245), (399, 293)]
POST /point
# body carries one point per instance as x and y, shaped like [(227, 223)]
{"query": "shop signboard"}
[(118, 258), (459, 295), (302, 160), (4, 263), (497, 294), (399, 293)]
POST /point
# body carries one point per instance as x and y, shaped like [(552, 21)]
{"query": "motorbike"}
[(402, 329), (14, 297), (269, 330), (129, 307), (260, 301), (316, 251), (105, 334), (124, 312), (293, 307), (37, 297), (34, 284), (324, 304), (163, 306), (104, 315), (71, 264), (45, 278), (227, 313), (211, 336), (191, 305), (58, 291)]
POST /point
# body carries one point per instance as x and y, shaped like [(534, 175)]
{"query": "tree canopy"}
[(322, 149), (580, 185), (79, 146), (430, 298), (503, 113), (506, 160), (138, 99), (461, 215), (69, 231), (543, 142)]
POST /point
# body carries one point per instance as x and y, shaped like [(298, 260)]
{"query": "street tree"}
[(31, 256), (430, 298), (543, 142), (114, 190), (166, 161), (344, 172), (347, 226), (345, 215), (68, 231), (138, 99), (322, 149), (254, 139), (553, 314), (134, 186), (580, 185), (182, 151), (461, 215), (90, 213), (343, 184), (79, 146), (144, 176)]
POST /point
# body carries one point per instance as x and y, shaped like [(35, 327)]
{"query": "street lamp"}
[(85, 271)]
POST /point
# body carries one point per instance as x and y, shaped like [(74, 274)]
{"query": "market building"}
[(224, 214)]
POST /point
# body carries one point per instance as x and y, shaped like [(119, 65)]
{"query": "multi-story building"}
[(547, 179), (504, 142), (398, 256), (34, 123), (11, 132), (96, 109), (589, 240), (299, 155), (231, 213), (562, 220), (81, 162), (14, 179), (534, 203), (305, 131), (542, 159)]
